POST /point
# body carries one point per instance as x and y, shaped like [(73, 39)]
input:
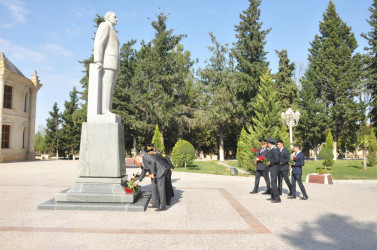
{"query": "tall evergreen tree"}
[(70, 133), (288, 90), (244, 151), (250, 56), (157, 140), (53, 135), (372, 149), (371, 36), (334, 70), (313, 119), (219, 110)]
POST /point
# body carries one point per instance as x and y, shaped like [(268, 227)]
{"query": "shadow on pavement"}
[(334, 231)]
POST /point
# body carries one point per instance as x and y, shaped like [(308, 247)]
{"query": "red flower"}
[(132, 179), (294, 157), (128, 190), (254, 150), (261, 158)]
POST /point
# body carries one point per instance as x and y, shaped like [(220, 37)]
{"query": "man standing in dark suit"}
[(274, 167), (284, 168), (297, 165), (157, 170), (262, 169)]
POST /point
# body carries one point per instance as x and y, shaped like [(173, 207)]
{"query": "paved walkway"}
[(207, 212)]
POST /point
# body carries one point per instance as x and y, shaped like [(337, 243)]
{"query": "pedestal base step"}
[(139, 206)]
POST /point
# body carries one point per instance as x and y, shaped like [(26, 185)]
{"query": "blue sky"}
[(51, 36)]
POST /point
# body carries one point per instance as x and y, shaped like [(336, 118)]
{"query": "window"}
[(23, 138), (5, 136), (8, 97), (25, 104)]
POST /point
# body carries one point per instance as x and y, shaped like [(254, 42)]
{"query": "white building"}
[(18, 97)]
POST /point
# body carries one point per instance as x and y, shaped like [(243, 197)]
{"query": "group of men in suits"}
[(276, 168), (160, 168)]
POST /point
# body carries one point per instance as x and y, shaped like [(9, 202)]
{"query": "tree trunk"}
[(315, 152), (221, 146), (365, 158), (162, 136), (185, 165), (334, 151), (134, 144), (57, 154)]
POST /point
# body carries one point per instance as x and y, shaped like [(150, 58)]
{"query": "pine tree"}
[(288, 90), (53, 134), (267, 120), (334, 70), (313, 119), (372, 62), (157, 140), (244, 151), (250, 56), (70, 132)]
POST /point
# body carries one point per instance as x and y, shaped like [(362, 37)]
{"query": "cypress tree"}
[(157, 140), (244, 151), (330, 145), (250, 56), (371, 36), (372, 149)]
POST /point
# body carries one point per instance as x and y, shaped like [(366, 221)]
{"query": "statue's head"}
[(111, 17)]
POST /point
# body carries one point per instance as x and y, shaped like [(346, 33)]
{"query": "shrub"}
[(327, 155), (157, 140), (245, 156), (372, 149), (183, 154)]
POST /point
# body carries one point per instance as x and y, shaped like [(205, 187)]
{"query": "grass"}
[(342, 169), (206, 167)]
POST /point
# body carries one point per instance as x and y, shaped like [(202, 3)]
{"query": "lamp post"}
[(290, 119)]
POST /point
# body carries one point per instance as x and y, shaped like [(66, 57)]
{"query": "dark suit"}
[(297, 173), (284, 169), (274, 168), (262, 170), (154, 166), (168, 185)]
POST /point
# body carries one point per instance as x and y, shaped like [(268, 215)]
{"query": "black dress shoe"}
[(160, 209), (291, 197), (267, 192), (304, 198), (153, 206), (290, 194), (269, 199), (168, 203), (253, 192), (275, 201), (281, 193)]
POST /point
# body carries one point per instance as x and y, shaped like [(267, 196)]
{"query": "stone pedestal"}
[(102, 152)]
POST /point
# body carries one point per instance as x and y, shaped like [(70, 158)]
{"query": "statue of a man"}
[(107, 59)]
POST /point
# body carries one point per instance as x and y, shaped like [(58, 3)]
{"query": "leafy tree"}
[(218, 110), (313, 118), (70, 133), (250, 56), (371, 36), (183, 154), (244, 151), (40, 140), (157, 140), (334, 69), (287, 88), (372, 149), (53, 135)]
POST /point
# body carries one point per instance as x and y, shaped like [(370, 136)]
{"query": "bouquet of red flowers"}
[(292, 161), (254, 150), (130, 185), (263, 159)]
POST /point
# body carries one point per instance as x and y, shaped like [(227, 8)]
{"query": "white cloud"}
[(72, 31), (19, 53), (56, 49), (16, 9)]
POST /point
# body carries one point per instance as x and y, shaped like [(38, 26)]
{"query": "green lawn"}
[(206, 167), (342, 169)]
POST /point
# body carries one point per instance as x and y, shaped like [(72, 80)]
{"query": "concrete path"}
[(207, 212), (230, 166)]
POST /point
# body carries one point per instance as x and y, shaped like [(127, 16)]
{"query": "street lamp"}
[(290, 119)]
